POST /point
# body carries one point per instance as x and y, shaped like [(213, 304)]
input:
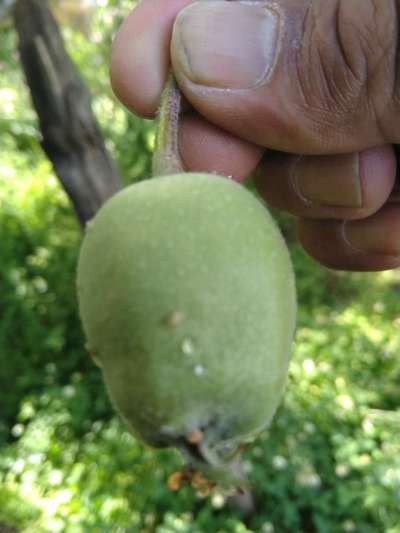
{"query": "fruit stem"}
[(166, 157)]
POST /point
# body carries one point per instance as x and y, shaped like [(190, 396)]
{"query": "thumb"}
[(305, 76)]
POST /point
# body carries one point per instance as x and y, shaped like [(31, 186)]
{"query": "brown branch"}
[(71, 136)]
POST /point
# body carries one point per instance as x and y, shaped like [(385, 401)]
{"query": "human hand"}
[(269, 81)]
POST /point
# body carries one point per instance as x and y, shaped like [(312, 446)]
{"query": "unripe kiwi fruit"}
[(187, 299)]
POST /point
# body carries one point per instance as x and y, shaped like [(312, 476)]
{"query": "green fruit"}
[(187, 299)]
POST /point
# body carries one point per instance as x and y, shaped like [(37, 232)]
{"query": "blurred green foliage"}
[(330, 462)]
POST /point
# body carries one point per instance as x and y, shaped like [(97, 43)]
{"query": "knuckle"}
[(347, 67)]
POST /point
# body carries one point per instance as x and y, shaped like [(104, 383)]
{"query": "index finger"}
[(140, 56)]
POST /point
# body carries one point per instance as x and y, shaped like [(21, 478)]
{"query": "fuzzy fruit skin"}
[(187, 298)]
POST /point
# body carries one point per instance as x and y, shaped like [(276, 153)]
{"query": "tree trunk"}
[(7, 529), (71, 136)]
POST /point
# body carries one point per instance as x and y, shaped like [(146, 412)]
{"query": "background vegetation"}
[(331, 460)]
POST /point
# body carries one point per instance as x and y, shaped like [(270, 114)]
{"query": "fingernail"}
[(226, 44), (378, 234), (329, 181)]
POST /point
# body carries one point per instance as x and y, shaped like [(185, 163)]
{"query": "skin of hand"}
[(302, 94)]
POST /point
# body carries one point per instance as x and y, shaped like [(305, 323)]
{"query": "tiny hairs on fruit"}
[(187, 298)]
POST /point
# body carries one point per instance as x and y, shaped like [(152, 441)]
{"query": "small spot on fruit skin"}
[(187, 346), (175, 319), (199, 370), (195, 437)]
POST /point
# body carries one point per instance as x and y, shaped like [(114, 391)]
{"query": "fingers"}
[(301, 76), (349, 186), (370, 244), (348, 191), (139, 67), (140, 54), (206, 148)]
